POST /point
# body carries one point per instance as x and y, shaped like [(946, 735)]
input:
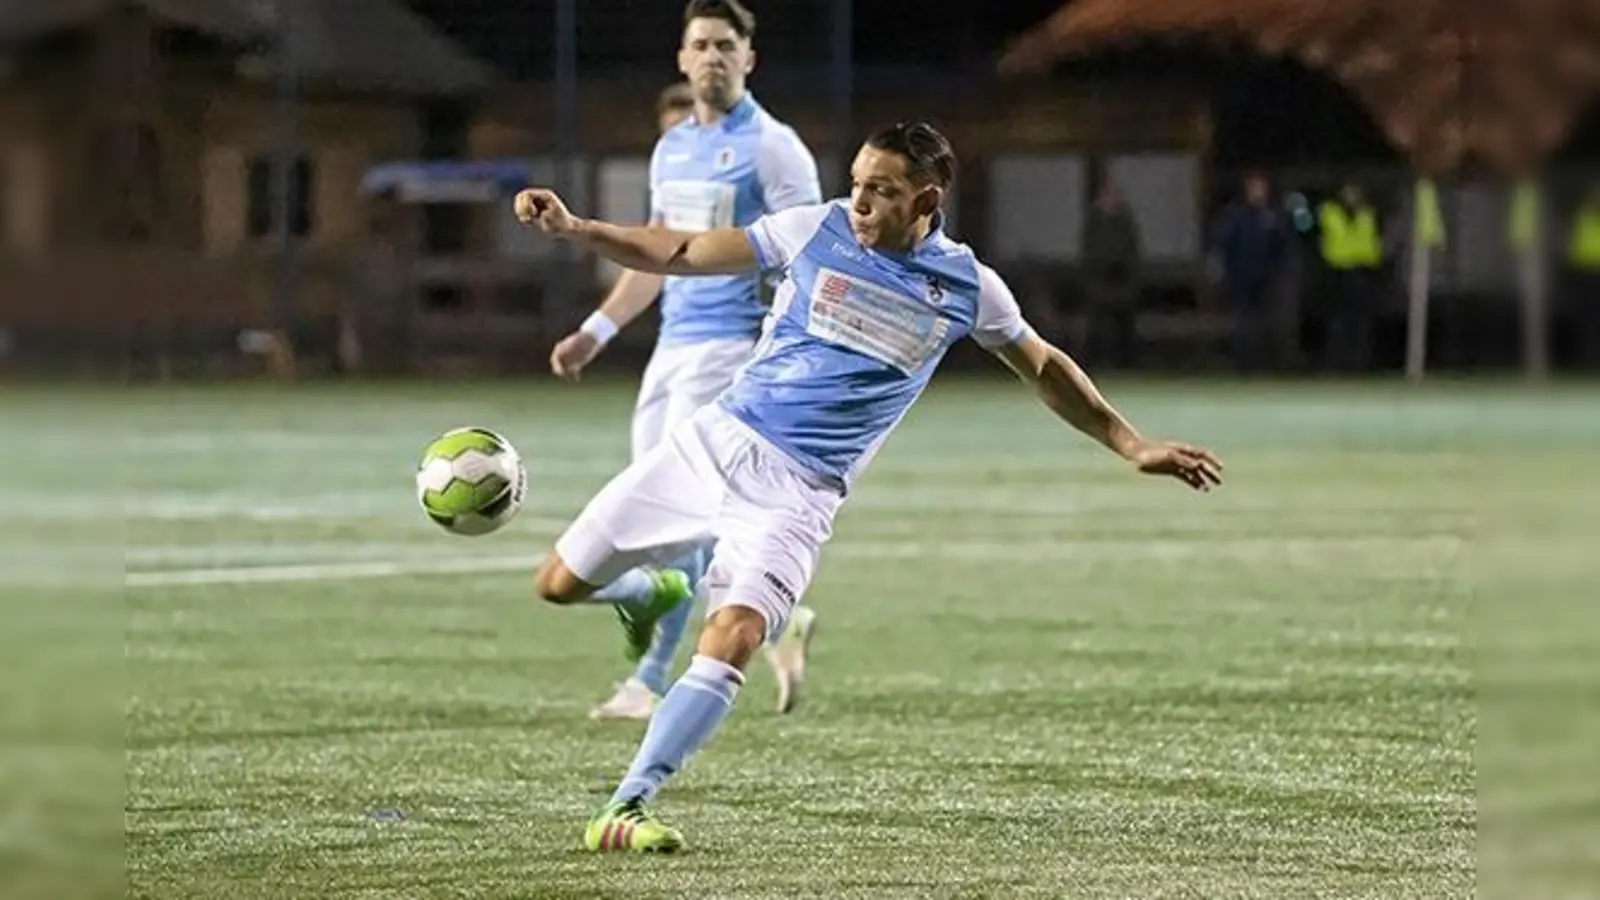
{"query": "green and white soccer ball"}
[(471, 481)]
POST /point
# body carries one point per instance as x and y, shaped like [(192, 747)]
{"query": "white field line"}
[(576, 456), (1421, 556), (381, 503), (918, 503), (342, 571), (870, 543)]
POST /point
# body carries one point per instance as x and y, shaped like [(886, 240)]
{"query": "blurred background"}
[(1274, 691), (233, 187)]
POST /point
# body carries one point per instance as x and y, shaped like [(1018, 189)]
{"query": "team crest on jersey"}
[(935, 291), (724, 159)]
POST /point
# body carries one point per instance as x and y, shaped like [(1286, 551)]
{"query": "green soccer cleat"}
[(627, 826), (672, 587)]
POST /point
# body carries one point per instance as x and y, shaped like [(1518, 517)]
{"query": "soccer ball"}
[(471, 481)]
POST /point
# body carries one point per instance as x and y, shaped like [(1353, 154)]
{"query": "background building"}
[(146, 226)]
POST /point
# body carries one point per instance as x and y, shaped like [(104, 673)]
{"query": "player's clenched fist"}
[(543, 209)]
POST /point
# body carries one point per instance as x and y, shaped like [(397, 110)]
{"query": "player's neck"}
[(915, 235), (707, 114)]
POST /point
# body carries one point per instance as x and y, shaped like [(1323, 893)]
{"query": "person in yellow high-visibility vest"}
[(1583, 276), (1352, 254)]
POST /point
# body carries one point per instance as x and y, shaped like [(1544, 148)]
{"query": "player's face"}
[(716, 60), (885, 203)]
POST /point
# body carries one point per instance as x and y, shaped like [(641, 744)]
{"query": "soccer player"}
[(874, 294), (721, 166), (675, 104)]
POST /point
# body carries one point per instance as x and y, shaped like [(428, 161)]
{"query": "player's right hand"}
[(542, 209), (572, 353)]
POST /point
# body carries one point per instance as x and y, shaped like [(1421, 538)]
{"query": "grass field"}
[(1036, 675)]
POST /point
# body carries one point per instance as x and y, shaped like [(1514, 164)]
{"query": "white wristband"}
[(600, 327)]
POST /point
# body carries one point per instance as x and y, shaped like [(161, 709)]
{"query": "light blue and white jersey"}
[(856, 334), (724, 175)]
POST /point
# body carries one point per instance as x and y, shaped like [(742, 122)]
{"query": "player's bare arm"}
[(633, 293), (1068, 391), (644, 248)]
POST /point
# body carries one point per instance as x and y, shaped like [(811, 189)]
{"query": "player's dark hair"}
[(678, 96), (736, 14), (928, 153)]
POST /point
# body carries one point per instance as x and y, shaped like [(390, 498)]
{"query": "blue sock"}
[(657, 661), (632, 588), (684, 721)]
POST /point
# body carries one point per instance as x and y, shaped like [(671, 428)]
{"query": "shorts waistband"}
[(716, 410)]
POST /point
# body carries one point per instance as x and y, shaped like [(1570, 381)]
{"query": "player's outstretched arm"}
[(1069, 392), (644, 248)]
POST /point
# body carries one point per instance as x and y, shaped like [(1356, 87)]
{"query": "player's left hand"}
[(1197, 467), (572, 353)]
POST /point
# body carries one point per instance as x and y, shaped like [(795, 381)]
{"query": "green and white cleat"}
[(788, 655), (627, 826), (672, 587)]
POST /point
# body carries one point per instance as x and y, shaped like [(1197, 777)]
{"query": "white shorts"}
[(713, 478), (680, 379)]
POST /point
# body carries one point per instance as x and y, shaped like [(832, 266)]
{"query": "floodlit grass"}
[(1036, 674)]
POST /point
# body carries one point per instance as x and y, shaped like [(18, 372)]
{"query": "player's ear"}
[(683, 61), (749, 60), (928, 200)]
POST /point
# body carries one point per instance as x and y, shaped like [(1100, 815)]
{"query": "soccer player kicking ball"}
[(722, 165), (874, 294)]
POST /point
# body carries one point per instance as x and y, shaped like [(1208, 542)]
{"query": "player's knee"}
[(555, 583), (733, 634)]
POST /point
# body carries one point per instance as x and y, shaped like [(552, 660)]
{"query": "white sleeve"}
[(778, 237), (999, 320), (786, 169)]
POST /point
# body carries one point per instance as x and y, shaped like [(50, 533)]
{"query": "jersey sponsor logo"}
[(874, 320), (695, 205)]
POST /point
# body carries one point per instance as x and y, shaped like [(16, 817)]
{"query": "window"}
[(1037, 207), (1163, 192), (262, 197)]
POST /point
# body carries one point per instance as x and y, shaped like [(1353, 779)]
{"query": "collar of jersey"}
[(923, 247), (741, 113)]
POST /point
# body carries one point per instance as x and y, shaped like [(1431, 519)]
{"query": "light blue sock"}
[(657, 662), (634, 587), (684, 721)]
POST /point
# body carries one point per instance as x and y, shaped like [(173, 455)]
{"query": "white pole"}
[(1417, 311)]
